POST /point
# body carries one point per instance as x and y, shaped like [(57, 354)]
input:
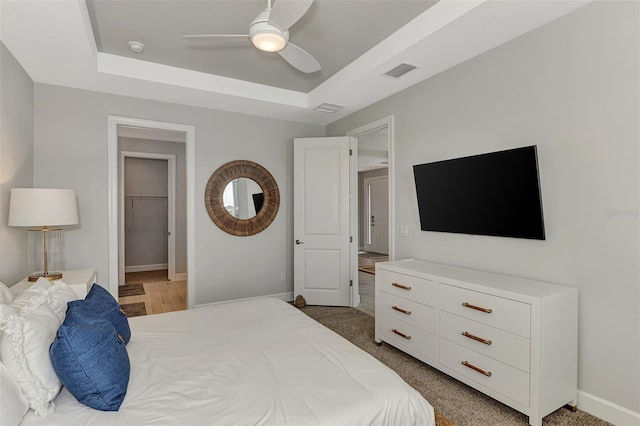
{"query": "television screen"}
[(258, 201), (489, 194)]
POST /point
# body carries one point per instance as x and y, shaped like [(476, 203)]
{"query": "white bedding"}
[(250, 362)]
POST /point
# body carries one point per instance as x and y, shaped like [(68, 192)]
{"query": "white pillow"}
[(30, 325), (13, 404), (5, 294), (58, 294)]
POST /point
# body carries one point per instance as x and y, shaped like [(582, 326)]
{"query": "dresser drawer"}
[(416, 340), (501, 378), (418, 289), (405, 310), (490, 341), (506, 314)]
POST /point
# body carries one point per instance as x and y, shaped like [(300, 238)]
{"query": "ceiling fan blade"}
[(202, 36), (300, 59), (285, 13)]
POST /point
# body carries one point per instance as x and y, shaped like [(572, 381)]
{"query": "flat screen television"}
[(258, 201), (489, 194)]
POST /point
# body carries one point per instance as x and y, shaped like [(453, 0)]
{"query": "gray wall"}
[(146, 177), (146, 213), (16, 160), (361, 177), (571, 87), (70, 137)]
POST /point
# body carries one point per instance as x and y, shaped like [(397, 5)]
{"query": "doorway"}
[(376, 212), (147, 214), (136, 139), (374, 216)]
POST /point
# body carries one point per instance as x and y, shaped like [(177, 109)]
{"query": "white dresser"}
[(511, 338)]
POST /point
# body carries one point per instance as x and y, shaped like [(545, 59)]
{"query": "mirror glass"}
[(243, 198)]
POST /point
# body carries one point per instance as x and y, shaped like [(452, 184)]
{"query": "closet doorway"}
[(147, 198)]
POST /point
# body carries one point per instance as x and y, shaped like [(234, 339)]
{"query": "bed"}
[(249, 362)]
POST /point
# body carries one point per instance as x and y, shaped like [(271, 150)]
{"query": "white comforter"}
[(250, 362)]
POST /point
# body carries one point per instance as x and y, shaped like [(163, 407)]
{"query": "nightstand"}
[(80, 280)]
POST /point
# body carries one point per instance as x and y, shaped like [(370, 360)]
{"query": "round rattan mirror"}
[(226, 184)]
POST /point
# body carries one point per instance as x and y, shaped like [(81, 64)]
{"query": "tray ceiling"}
[(83, 45)]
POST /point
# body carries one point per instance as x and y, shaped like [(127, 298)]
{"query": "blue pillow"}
[(91, 360), (101, 304)]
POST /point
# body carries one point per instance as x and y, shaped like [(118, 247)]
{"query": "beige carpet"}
[(455, 400)]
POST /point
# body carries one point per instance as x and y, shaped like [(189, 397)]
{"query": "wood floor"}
[(366, 285), (160, 295)]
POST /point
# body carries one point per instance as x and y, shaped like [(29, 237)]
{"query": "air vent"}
[(328, 108), (400, 70)]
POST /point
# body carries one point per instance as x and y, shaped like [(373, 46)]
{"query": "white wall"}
[(16, 160), (70, 139), (572, 88)]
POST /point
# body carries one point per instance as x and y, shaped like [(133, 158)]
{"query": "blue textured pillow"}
[(101, 304), (91, 360)]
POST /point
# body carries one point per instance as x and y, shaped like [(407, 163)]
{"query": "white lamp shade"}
[(42, 207)]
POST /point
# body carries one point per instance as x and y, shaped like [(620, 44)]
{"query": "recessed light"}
[(136, 46)]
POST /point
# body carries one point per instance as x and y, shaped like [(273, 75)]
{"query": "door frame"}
[(365, 217), (381, 123), (171, 204), (113, 121), (374, 126)]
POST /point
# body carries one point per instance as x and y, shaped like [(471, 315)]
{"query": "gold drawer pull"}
[(400, 333), (477, 308), (476, 338), (404, 311), (474, 368), (402, 286)]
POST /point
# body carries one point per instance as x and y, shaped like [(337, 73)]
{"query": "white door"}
[(321, 220), (376, 197)]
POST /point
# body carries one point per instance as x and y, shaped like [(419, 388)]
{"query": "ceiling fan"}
[(269, 32)]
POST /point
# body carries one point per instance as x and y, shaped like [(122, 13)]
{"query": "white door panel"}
[(322, 203), (322, 270), (321, 220)]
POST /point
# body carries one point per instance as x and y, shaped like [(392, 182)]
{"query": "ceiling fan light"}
[(269, 41)]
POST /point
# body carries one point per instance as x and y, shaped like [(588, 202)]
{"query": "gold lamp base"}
[(50, 276)]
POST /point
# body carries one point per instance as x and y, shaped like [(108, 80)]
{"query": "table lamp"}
[(45, 210)]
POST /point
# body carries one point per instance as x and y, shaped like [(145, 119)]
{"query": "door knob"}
[(299, 242)]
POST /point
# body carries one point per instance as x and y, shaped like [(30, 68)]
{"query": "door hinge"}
[(350, 283), (350, 152), (350, 239)]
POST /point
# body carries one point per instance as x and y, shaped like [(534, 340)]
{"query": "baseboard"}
[(607, 410), (144, 268), (180, 277), (287, 297)]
